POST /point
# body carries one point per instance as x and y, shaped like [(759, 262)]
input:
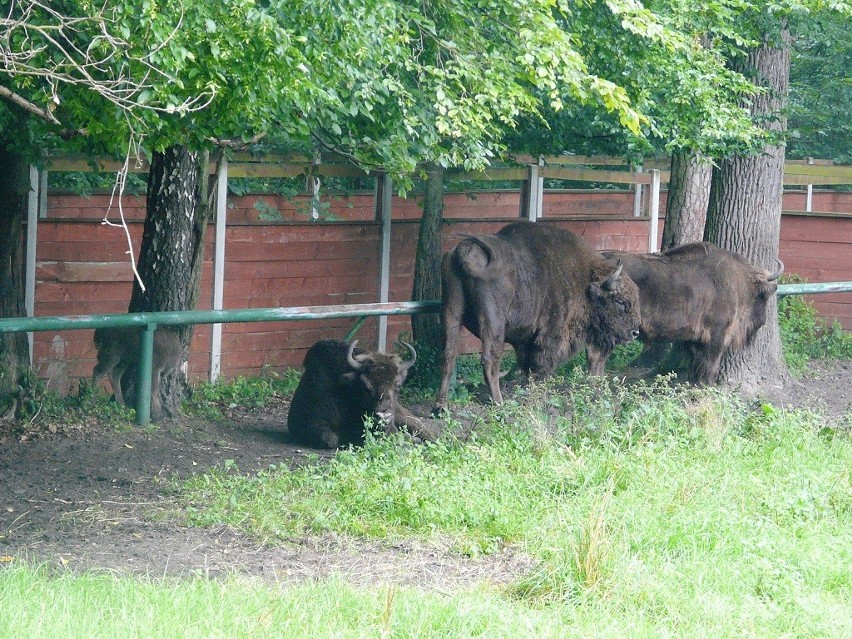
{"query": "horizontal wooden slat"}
[(593, 175), (489, 175)]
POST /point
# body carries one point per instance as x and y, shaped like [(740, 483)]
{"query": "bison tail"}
[(476, 256)]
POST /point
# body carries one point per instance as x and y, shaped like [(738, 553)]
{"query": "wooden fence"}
[(81, 265)]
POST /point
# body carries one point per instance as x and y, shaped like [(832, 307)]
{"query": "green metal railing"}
[(150, 322)]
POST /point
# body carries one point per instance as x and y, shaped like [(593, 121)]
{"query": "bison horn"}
[(357, 363), (778, 273), (610, 281), (404, 366)]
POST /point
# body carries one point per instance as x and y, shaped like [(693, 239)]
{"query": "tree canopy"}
[(393, 83)]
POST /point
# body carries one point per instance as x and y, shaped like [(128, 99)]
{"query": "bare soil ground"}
[(93, 497)]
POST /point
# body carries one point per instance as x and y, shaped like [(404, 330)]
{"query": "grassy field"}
[(651, 511)]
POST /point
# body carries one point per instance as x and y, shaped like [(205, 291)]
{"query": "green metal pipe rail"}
[(150, 321)]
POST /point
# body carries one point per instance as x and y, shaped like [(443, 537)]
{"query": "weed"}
[(210, 400), (807, 336), (39, 406)]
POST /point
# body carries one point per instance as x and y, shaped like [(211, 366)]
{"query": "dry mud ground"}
[(91, 497)]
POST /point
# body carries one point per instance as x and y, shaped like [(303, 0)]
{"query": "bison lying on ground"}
[(119, 348), (541, 289), (710, 299), (341, 385)]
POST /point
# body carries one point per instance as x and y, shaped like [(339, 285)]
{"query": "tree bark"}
[(172, 250), (14, 349), (744, 214), (688, 195), (426, 327)]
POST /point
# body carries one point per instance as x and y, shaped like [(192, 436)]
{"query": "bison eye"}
[(621, 305)]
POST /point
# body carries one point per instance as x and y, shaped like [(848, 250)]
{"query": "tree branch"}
[(14, 98)]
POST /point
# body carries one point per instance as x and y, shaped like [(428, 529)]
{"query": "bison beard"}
[(541, 289), (698, 295), (340, 386)]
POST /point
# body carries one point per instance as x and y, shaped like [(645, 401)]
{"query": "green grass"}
[(38, 604), (651, 511)]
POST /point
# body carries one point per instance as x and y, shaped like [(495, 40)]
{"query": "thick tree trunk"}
[(172, 249), (744, 215), (427, 264), (14, 350), (686, 206)]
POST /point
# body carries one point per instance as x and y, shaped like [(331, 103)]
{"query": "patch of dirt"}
[(92, 497)]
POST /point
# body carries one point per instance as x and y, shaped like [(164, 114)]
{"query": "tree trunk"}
[(686, 206), (14, 349), (744, 214), (426, 327), (172, 250)]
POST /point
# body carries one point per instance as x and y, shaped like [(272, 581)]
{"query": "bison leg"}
[(451, 323), (706, 360), (492, 353), (597, 359), (415, 426), (115, 379)]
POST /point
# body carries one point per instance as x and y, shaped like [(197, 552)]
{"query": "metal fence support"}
[(654, 213), (32, 237), (384, 194), (143, 379), (809, 198), (637, 195), (219, 266), (532, 192)]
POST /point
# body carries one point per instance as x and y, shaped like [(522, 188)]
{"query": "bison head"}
[(615, 315), (381, 376)]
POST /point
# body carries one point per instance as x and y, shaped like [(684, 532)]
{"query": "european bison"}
[(710, 299), (341, 385), (541, 289), (119, 348)]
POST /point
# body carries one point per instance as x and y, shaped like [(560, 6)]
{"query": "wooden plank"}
[(491, 174), (83, 272), (801, 178), (85, 165), (594, 175), (834, 171), (237, 170)]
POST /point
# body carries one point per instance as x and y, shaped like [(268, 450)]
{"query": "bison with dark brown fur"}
[(540, 288), (707, 298), (341, 385), (119, 348)]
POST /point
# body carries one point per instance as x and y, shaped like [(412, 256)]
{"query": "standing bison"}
[(541, 289), (340, 386), (705, 297)]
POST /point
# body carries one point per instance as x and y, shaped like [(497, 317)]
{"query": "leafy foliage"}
[(807, 336), (821, 88)]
